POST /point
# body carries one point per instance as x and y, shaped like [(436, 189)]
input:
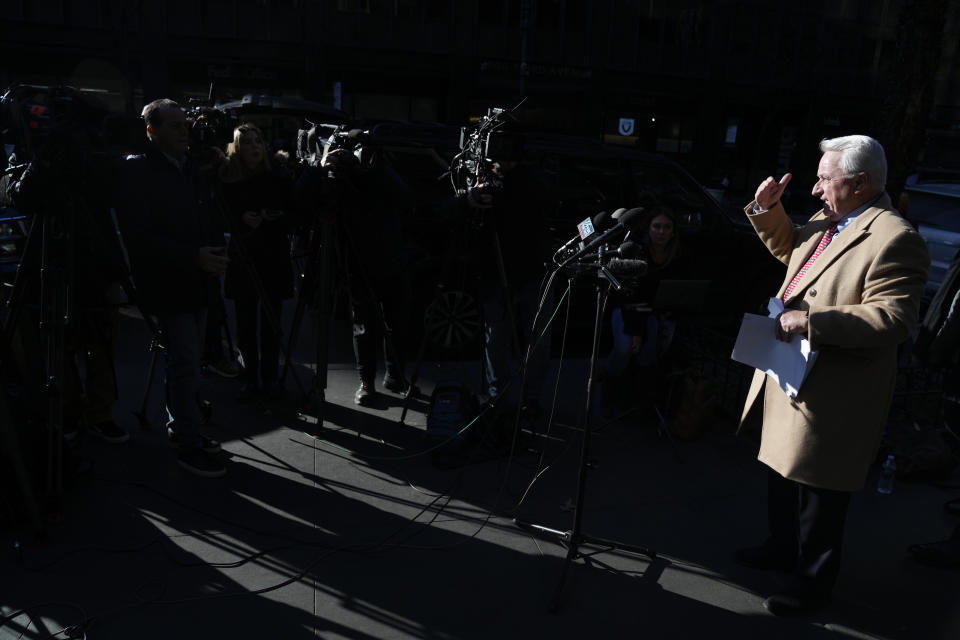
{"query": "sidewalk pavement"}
[(352, 531)]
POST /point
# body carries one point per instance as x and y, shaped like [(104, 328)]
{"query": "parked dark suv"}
[(934, 205)]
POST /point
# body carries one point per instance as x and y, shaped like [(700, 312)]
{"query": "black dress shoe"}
[(765, 558), (796, 602), (364, 394), (395, 384)]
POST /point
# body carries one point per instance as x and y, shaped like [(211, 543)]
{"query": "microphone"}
[(626, 222), (628, 249), (586, 229), (630, 267)]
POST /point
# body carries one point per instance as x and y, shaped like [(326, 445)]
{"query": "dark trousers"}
[(377, 309), (259, 356), (213, 342), (368, 330), (807, 523)]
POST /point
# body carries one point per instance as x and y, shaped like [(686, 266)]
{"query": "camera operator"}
[(69, 179), (176, 254), (513, 230), (257, 198), (366, 199)]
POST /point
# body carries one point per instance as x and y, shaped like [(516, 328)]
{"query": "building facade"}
[(731, 89)]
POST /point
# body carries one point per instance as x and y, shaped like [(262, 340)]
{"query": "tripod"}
[(574, 538), (334, 248), (455, 315)]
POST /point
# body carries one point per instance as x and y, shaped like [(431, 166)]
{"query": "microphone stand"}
[(575, 538)]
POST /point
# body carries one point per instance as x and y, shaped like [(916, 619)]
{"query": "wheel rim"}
[(452, 319)]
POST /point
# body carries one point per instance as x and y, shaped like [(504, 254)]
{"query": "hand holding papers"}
[(787, 363)]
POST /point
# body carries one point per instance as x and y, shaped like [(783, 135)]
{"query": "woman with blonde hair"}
[(257, 199)]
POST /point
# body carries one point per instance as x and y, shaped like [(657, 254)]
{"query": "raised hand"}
[(769, 191)]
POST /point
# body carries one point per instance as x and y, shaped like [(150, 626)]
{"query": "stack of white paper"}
[(787, 363)]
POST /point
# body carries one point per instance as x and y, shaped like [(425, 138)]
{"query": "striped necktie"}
[(824, 241)]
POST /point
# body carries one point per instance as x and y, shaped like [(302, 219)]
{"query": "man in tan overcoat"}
[(855, 276)]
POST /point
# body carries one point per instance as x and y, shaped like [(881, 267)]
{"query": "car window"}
[(582, 187), (664, 184), (421, 168), (935, 210)]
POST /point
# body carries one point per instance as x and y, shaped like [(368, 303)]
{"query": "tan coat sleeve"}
[(775, 230)]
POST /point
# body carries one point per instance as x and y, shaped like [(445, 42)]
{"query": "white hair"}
[(859, 153)]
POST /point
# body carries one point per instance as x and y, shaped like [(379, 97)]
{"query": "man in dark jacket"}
[(176, 254)]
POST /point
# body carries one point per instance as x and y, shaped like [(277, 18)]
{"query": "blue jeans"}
[(619, 357), (498, 342), (657, 338), (184, 334)]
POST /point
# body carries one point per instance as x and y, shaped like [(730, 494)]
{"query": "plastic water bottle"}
[(887, 473)]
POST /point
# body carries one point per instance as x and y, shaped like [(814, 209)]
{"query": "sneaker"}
[(208, 445), (364, 393), (110, 431), (201, 463), (223, 368)]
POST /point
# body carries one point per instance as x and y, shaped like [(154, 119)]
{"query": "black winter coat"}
[(165, 217), (267, 246)]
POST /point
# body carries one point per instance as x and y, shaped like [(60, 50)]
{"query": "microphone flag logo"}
[(585, 228)]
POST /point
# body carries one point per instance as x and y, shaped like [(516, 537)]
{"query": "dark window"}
[(408, 9), (575, 16), (518, 10), (648, 29), (353, 6), (438, 10), (490, 12), (548, 14)]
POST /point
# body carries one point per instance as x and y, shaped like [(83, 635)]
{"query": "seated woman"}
[(642, 334), (257, 199)]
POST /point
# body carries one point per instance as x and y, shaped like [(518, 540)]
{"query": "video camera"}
[(41, 120), (209, 126), (314, 143), (67, 132), (483, 148)]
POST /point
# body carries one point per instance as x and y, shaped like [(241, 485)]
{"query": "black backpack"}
[(452, 406)]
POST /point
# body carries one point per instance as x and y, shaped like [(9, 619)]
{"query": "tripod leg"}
[(664, 429), (15, 302), (317, 397), (414, 377), (142, 414), (296, 321), (12, 447)]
